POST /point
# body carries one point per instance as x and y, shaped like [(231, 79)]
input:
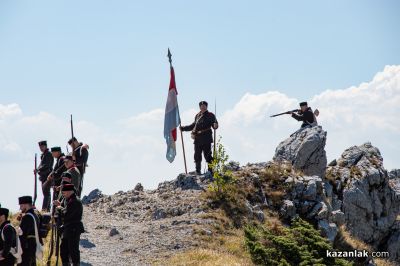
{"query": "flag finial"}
[(169, 56)]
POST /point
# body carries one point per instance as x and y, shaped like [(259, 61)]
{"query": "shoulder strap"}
[(36, 225)]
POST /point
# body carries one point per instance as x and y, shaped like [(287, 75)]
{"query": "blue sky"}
[(105, 62), (110, 56)]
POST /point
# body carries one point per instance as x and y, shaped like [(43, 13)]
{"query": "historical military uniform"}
[(28, 238), (307, 116), (44, 169), (81, 155), (8, 240), (203, 136), (71, 228), (73, 175), (59, 169)]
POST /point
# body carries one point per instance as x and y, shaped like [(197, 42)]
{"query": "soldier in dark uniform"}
[(202, 134), (305, 114), (72, 226), (8, 232), (72, 174), (81, 155), (44, 169), (59, 168), (28, 239)]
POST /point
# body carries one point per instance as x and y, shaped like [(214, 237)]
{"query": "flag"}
[(172, 119)]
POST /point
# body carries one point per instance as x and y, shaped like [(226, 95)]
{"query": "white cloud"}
[(133, 149)]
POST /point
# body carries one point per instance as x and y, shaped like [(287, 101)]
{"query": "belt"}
[(202, 131), (31, 236)]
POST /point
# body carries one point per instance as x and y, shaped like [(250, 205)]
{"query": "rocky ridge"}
[(139, 227)]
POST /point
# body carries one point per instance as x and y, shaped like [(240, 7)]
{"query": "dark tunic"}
[(202, 127), (76, 177), (28, 240), (59, 168), (307, 117), (46, 165), (71, 230), (81, 157), (9, 241), (72, 216)]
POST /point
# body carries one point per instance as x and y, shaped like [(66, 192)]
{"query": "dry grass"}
[(348, 242), (221, 250)]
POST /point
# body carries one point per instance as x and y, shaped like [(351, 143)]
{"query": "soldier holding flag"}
[(201, 128)]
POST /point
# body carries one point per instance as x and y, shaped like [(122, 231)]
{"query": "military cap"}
[(43, 142), (4, 211), (25, 200), (68, 187), (303, 104), (72, 140), (53, 149), (203, 102), (68, 157), (65, 182), (67, 175)]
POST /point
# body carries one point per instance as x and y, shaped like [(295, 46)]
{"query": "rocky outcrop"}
[(92, 197), (369, 200), (305, 151)]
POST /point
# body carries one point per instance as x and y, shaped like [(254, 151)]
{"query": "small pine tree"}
[(221, 175)]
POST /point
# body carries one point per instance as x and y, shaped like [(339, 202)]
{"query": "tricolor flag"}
[(172, 119)]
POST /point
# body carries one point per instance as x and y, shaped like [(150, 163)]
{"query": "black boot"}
[(198, 168)]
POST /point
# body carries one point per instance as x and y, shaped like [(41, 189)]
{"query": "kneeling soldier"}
[(72, 226)]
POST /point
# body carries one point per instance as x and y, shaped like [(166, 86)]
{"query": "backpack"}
[(17, 250), (44, 224), (39, 246)]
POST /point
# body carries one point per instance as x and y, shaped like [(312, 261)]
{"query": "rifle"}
[(72, 128), (35, 186), (215, 131), (48, 182), (285, 113)]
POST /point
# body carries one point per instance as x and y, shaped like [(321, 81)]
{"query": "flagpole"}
[(180, 124), (215, 130)]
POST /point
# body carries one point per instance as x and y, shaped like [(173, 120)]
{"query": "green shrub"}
[(299, 244), (222, 176)]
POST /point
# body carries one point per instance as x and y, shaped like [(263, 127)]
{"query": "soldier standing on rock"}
[(44, 169), (201, 128), (72, 226), (80, 154)]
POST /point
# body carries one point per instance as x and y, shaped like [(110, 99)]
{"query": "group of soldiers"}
[(23, 244), (66, 178)]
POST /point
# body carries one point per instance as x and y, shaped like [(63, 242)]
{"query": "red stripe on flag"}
[(172, 84), (173, 132)]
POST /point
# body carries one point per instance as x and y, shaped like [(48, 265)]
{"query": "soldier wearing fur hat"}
[(72, 226), (44, 169), (28, 238), (201, 128), (8, 239), (72, 174), (81, 155)]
